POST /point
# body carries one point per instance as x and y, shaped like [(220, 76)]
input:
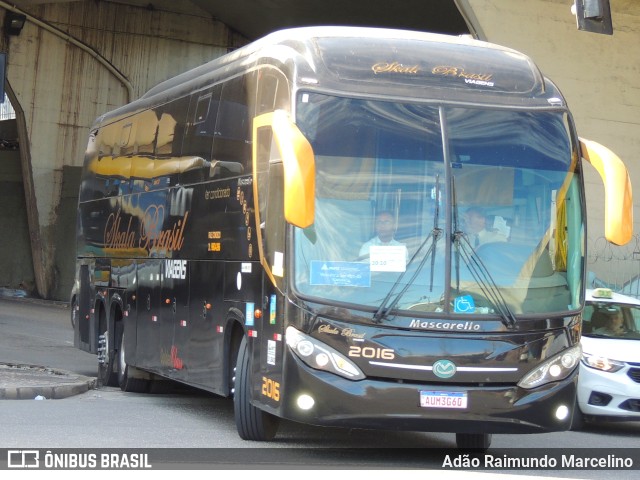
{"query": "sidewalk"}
[(26, 382)]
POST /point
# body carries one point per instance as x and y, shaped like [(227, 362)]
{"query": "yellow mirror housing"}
[(299, 170), (618, 202)]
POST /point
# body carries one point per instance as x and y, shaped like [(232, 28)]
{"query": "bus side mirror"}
[(618, 199), (299, 170)]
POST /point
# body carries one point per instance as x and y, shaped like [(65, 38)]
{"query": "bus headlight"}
[(554, 369), (321, 356)]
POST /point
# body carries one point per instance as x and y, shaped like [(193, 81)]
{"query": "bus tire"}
[(130, 379), (107, 374), (473, 441), (74, 312), (251, 422)]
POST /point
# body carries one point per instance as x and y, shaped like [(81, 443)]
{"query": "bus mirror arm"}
[(618, 216)]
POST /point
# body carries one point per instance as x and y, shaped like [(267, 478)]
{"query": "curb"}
[(26, 382)]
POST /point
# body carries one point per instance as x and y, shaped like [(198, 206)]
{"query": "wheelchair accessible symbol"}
[(464, 304)]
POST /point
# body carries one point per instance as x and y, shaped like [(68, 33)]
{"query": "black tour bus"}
[(222, 216)]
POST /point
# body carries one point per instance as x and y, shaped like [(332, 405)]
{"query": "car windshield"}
[(432, 209), (611, 320)]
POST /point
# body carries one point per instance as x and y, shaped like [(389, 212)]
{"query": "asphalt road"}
[(199, 427)]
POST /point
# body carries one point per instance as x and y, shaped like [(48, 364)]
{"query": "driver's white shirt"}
[(375, 241)]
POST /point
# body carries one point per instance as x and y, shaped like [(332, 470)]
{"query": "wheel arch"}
[(116, 316), (234, 332)]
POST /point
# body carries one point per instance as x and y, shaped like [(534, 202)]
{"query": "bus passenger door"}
[(207, 326), (147, 353)]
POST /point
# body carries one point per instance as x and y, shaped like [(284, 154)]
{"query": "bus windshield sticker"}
[(385, 258), (348, 274), (464, 304)]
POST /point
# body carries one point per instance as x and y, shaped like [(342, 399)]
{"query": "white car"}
[(609, 376)]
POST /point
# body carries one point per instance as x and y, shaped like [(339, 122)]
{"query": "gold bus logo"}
[(394, 67)]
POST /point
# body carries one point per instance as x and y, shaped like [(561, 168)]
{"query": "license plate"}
[(438, 399)]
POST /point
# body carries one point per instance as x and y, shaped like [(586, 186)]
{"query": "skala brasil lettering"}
[(447, 70), (394, 67), (150, 235)]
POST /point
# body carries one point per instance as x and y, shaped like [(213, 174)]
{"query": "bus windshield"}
[(425, 209)]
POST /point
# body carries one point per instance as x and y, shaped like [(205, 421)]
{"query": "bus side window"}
[(145, 138), (232, 135), (273, 92), (199, 133)]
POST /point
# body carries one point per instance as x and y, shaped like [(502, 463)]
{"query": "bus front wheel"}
[(129, 377), (251, 422)]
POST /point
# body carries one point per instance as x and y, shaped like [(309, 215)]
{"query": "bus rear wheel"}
[(107, 375), (473, 441), (74, 312), (251, 422)]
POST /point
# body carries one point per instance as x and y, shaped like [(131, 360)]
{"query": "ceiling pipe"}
[(65, 36)]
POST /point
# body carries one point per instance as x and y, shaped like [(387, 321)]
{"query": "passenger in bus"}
[(385, 226), (478, 233), (613, 324)]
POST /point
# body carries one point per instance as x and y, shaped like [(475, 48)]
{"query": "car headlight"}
[(321, 356), (601, 363), (556, 368)]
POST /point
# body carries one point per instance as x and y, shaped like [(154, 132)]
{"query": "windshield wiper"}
[(382, 310), (483, 278), (478, 269), (435, 234)]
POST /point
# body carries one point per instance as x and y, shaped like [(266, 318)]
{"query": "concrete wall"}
[(16, 264), (598, 74), (58, 87)]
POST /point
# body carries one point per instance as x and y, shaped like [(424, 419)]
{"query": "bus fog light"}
[(305, 402), (562, 412)]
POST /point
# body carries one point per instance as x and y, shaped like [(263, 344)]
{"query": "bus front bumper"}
[(320, 398)]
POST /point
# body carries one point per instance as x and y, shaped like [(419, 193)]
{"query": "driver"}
[(385, 227), (476, 228)]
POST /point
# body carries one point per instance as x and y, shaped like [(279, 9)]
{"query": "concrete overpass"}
[(73, 60)]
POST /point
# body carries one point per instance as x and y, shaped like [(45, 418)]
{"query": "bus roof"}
[(376, 61)]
